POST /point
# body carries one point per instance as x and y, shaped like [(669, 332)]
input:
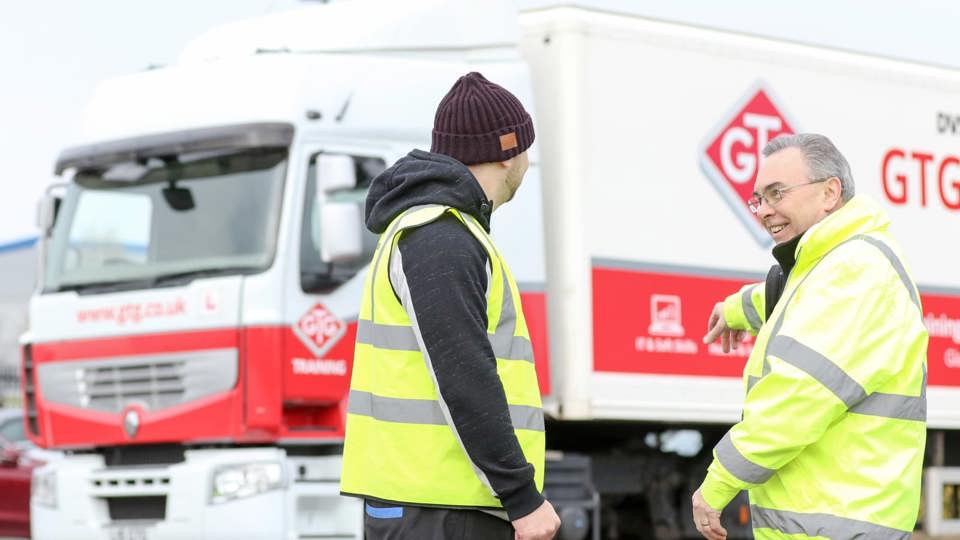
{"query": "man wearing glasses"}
[(832, 436)]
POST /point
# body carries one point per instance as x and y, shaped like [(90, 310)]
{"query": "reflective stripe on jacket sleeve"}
[(744, 310)]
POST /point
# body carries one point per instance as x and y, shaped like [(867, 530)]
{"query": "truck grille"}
[(154, 381), (129, 482), (156, 384)]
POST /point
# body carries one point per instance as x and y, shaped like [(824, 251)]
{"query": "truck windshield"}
[(167, 220)]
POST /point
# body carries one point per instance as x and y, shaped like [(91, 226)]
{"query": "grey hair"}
[(822, 158)]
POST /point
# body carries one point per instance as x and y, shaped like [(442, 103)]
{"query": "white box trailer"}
[(649, 137), (631, 224)]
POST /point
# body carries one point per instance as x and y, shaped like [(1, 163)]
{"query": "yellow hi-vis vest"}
[(834, 421), (401, 444)]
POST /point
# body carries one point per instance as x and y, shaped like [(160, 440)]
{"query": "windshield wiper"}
[(106, 286), (190, 275), (173, 278)]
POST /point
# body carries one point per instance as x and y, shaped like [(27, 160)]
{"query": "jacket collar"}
[(860, 215)]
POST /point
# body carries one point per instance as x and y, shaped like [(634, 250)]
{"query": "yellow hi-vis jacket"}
[(400, 443), (834, 421)]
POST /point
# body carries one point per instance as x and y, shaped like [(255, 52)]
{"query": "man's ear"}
[(833, 192), (507, 162)]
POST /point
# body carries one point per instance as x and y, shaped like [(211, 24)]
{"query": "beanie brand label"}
[(508, 141)]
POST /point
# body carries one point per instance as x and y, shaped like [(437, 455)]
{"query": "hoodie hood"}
[(425, 178)]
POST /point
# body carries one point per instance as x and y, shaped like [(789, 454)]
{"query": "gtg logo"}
[(730, 154), (319, 329)]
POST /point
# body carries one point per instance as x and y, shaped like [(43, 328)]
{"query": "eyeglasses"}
[(773, 195)]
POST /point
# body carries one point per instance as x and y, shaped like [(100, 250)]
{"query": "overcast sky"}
[(54, 52)]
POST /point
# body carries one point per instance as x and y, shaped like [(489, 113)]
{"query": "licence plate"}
[(127, 532)]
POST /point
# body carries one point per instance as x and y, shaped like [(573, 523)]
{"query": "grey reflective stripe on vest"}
[(893, 406), (402, 338), (750, 310), (896, 405), (825, 525), (897, 265), (845, 387), (819, 367), (509, 347), (741, 467), (425, 411), (505, 344), (406, 411), (386, 336), (388, 237)]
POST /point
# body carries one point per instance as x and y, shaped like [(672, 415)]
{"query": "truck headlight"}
[(232, 482), (43, 488)]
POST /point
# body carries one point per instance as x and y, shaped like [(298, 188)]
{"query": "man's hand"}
[(541, 524), (707, 519), (717, 327)]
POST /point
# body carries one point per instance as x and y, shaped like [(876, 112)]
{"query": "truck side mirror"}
[(340, 235), (47, 209), (340, 223), (335, 172)]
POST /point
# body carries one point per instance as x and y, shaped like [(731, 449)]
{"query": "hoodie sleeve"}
[(440, 273)]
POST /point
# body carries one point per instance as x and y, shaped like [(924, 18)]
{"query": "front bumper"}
[(304, 508)]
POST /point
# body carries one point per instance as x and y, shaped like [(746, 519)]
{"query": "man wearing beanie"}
[(445, 434)]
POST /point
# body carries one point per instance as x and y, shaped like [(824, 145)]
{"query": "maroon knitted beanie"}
[(479, 122)]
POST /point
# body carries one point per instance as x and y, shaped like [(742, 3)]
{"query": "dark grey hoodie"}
[(445, 270)]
